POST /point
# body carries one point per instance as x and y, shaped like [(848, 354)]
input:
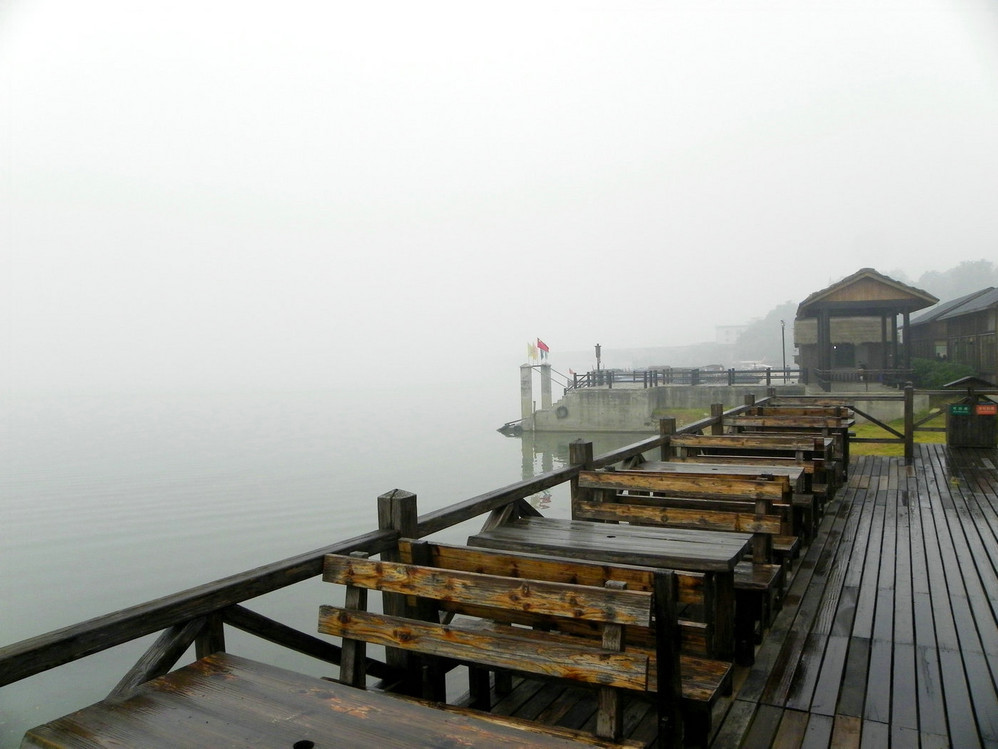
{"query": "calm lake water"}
[(111, 500)]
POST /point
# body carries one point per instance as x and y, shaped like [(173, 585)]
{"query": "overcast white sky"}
[(271, 192)]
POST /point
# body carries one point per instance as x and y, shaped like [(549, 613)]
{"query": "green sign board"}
[(960, 409)]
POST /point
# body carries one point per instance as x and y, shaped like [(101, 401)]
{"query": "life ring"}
[(561, 412)]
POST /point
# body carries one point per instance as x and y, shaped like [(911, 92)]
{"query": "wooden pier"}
[(883, 631)]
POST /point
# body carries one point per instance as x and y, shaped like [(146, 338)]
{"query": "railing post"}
[(580, 453), (717, 413), (211, 639), (731, 377), (769, 376), (909, 423), (397, 512), (694, 376), (667, 428)]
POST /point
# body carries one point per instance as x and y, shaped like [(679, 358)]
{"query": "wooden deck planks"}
[(890, 630)]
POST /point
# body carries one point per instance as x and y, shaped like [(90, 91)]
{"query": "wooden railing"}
[(859, 377)]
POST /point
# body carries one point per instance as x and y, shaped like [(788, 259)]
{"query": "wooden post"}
[(397, 511), (211, 638), (610, 713), (717, 413), (749, 399), (580, 453), (670, 687), (667, 428), (909, 424), (353, 658)]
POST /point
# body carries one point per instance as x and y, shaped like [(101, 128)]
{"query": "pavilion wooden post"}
[(909, 424)]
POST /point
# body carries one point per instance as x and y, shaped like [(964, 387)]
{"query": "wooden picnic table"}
[(224, 700), (714, 553)]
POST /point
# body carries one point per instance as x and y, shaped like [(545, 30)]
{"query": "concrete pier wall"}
[(622, 409)]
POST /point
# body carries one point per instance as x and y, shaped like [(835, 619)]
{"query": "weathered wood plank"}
[(536, 596), (229, 701), (678, 517), (518, 651), (681, 484)]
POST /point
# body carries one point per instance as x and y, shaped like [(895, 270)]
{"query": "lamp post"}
[(783, 346)]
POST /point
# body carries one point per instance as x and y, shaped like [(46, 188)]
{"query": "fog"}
[(258, 194)]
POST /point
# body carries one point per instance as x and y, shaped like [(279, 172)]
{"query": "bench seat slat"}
[(505, 650)]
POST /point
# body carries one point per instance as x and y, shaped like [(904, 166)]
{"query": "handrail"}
[(684, 376), (46, 651)]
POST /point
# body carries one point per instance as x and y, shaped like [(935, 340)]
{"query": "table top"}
[(227, 701), (792, 472), (649, 546)]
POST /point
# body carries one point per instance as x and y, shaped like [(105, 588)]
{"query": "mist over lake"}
[(111, 500)]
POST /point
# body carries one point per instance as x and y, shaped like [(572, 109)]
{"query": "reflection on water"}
[(541, 452)]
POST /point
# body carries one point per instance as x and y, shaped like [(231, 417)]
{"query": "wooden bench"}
[(833, 426), (728, 493), (646, 498), (815, 453), (703, 680), (608, 664)]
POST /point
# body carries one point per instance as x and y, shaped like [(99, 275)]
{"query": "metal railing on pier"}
[(684, 376)]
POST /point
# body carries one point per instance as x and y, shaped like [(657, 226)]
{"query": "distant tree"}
[(761, 339), (967, 277)]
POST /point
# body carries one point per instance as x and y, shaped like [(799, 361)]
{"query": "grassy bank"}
[(872, 430)]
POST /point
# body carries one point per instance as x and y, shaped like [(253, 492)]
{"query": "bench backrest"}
[(789, 421), (774, 488), (688, 593), (608, 664), (645, 497), (768, 441), (838, 412)]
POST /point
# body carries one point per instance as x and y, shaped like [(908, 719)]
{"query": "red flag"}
[(542, 346)]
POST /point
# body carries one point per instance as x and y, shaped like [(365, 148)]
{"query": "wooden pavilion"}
[(848, 332)]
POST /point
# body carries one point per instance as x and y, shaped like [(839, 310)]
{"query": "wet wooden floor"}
[(889, 636), (889, 633)]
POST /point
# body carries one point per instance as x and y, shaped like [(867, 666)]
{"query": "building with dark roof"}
[(962, 331)]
